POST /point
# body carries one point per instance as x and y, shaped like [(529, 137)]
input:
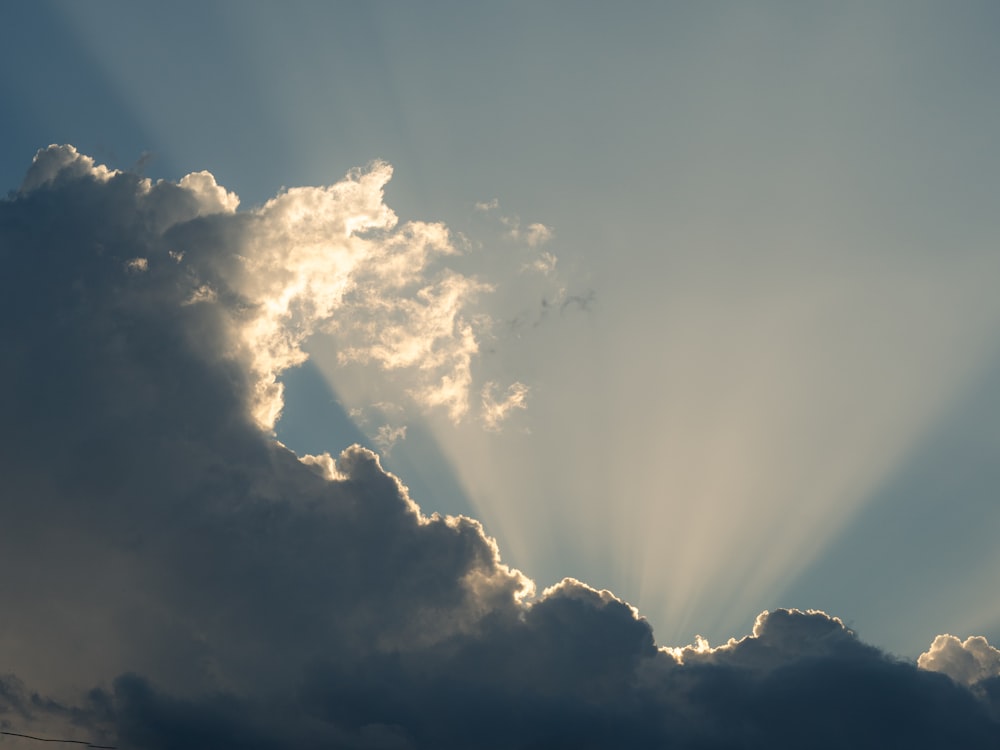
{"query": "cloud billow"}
[(174, 577)]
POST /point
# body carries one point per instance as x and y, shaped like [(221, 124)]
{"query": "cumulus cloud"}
[(967, 662), (329, 259), (212, 197), (173, 577), (62, 163), (312, 259), (777, 637)]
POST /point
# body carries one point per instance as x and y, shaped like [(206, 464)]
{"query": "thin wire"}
[(46, 739)]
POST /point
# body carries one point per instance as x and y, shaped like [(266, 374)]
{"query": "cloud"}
[(967, 662), (387, 436), (328, 259), (778, 637), (62, 163), (544, 264), (173, 577), (537, 234), (495, 412), (533, 235)]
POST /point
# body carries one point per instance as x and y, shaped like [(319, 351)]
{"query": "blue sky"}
[(764, 372)]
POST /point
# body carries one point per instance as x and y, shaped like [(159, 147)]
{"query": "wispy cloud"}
[(545, 263), (496, 411), (387, 436), (534, 234)]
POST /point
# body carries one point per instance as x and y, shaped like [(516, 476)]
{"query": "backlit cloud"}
[(496, 411), (387, 436), (173, 577), (328, 259), (968, 662), (545, 263), (533, 235)]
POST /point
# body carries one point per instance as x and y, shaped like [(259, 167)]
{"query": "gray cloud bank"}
[(172, 577)]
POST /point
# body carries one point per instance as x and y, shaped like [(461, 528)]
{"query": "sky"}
[(626, 371)]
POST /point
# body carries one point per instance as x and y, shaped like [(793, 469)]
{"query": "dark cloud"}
[(174, 578)]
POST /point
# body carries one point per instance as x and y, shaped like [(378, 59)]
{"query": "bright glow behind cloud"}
[(332, 259), (229, 594), (745, 419), (772, 405), (733, 415)]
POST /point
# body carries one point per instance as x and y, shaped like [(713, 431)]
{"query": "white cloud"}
[(533, 235), (537, 234), (544, 264), (63, 162), (332, 260), (212, 197), (967, 662), (387, 436), (495, 412), (427, 332)]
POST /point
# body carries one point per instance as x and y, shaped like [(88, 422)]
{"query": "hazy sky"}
[(692, 302)]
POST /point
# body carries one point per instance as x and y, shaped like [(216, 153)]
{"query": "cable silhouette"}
[(70, 742)]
